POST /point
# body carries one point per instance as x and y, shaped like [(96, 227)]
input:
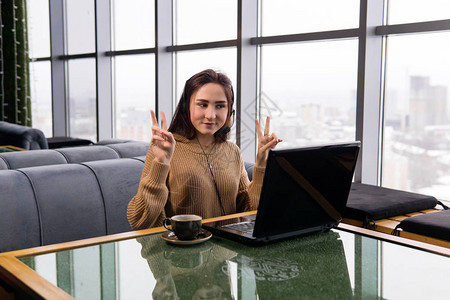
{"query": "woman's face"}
[(208, 108)]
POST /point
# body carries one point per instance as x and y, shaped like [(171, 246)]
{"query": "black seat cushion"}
[(435, 224), (66, 141), (368, 202)]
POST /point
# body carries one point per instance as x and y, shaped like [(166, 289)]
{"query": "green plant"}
[(14, 74)]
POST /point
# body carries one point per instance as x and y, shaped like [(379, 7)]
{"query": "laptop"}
[(305, 190)]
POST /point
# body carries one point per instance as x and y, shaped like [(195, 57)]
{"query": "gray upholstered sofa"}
[(51, 196), (57, 203)]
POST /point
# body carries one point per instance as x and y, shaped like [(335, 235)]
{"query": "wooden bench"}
[(12, 148), (388, 225)]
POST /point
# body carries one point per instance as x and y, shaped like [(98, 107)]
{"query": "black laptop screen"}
[(305, 187)]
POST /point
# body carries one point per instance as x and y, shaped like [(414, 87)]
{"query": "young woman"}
[(191, 168)]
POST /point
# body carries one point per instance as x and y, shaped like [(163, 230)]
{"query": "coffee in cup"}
[(185, 227)]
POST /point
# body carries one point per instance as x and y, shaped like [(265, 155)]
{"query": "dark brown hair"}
[(181, 121)]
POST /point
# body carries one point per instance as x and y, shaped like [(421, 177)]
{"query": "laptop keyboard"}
[(246, 227)]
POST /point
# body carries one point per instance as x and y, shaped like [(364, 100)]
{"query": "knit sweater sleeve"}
[(249, 192), (146, 208)]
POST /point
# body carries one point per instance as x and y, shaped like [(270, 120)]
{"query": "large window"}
[(192, 62), (309, 91), (199, 21), (134, 95), (409, 11), (293, 16), (133, 24), (80, 35), (82, 98), (416, 152), (40, 71), (133, 27), (38, 28), (41, 96), (299, 64)]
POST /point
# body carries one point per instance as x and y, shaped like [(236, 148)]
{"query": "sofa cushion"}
[(131, 149), (140, 158), (87, 153), (19, 217), (368, 202), (434, 224), (69, 201), (3, 164), (112, 141), (24, 159), (119, 181)]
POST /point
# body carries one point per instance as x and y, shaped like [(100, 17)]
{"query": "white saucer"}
[(171, 238)]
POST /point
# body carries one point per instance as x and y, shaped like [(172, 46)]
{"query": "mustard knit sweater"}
[(186, 185)]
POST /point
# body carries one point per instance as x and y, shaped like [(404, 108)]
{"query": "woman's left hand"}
[(266, 142)]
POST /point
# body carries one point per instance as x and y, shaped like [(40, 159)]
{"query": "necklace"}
[(207, 155), (212, 174)]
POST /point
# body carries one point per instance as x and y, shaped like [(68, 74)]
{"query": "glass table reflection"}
[(332, 265)]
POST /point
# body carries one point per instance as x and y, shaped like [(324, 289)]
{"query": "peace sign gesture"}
[(162, 143), (265, 143)]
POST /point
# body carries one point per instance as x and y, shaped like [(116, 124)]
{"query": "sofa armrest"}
[(22, 136)]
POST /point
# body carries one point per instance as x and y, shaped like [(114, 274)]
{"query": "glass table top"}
[(332, 265)]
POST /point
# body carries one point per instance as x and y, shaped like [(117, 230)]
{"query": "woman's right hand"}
[(162, 142)]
